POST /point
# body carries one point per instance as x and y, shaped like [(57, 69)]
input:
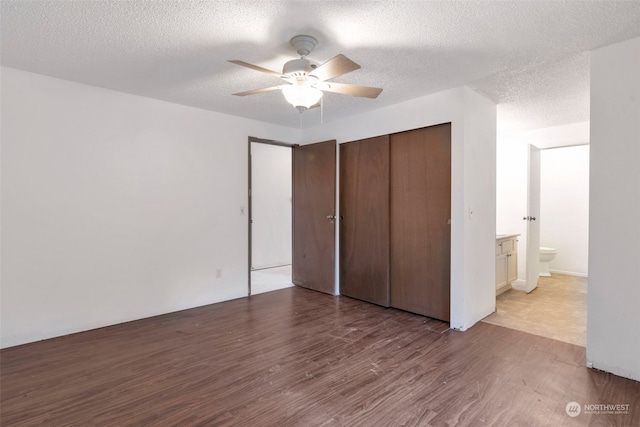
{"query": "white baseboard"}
[(569, 273), (519, 285), (614, 370), (504, 288)]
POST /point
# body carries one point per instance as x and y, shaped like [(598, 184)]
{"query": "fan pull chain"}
[(322, 110)]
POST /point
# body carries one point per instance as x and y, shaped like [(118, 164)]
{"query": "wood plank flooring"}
[(296, 357)]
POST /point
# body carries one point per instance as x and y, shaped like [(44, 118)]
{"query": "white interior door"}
[(533, 220)]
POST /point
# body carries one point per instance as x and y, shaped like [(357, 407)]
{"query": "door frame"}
[(533, 221), (252, 139), (520, 284)]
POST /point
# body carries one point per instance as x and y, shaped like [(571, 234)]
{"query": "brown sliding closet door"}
[(364, 228), (420, 209)]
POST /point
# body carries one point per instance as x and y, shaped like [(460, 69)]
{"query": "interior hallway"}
[(556, 309)]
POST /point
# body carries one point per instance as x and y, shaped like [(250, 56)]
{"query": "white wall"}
[(512, 179), (116, 207), (564, 210), (473, 131), (613, 341), (271, 205)]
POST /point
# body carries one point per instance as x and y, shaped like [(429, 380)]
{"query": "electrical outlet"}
[(218, 273)]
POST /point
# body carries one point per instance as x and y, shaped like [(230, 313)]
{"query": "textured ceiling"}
[(530, 57)]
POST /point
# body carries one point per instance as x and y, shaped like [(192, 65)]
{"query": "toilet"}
[(546, 256)]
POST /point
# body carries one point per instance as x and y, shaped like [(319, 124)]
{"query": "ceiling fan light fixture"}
[(307, 81), (301, 96)]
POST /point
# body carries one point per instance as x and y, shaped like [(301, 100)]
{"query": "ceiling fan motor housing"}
[(297, 68)]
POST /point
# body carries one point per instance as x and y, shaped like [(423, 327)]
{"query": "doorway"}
[(270, 215), (564, 208), (557, 308), (557, 210)]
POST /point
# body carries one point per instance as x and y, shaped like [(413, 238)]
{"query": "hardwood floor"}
[(296, 357), (556, 309)]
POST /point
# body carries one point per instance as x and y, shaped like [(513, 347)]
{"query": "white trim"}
[(569, 273), (502, 289), (615, 371), (519, 285)]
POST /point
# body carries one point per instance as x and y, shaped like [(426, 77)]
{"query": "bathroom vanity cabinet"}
[(506, 261)]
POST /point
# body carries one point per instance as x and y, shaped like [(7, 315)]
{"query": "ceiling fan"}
[(306, 81)]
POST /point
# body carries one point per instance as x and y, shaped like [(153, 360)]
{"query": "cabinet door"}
[(364, 224), (420, 210), (512, 266), (501, 270)]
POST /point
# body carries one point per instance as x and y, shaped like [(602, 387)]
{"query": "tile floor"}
[(270, 279), (556, 309)]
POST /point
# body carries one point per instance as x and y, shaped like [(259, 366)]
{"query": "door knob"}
[(331, 217), (529, 218)]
